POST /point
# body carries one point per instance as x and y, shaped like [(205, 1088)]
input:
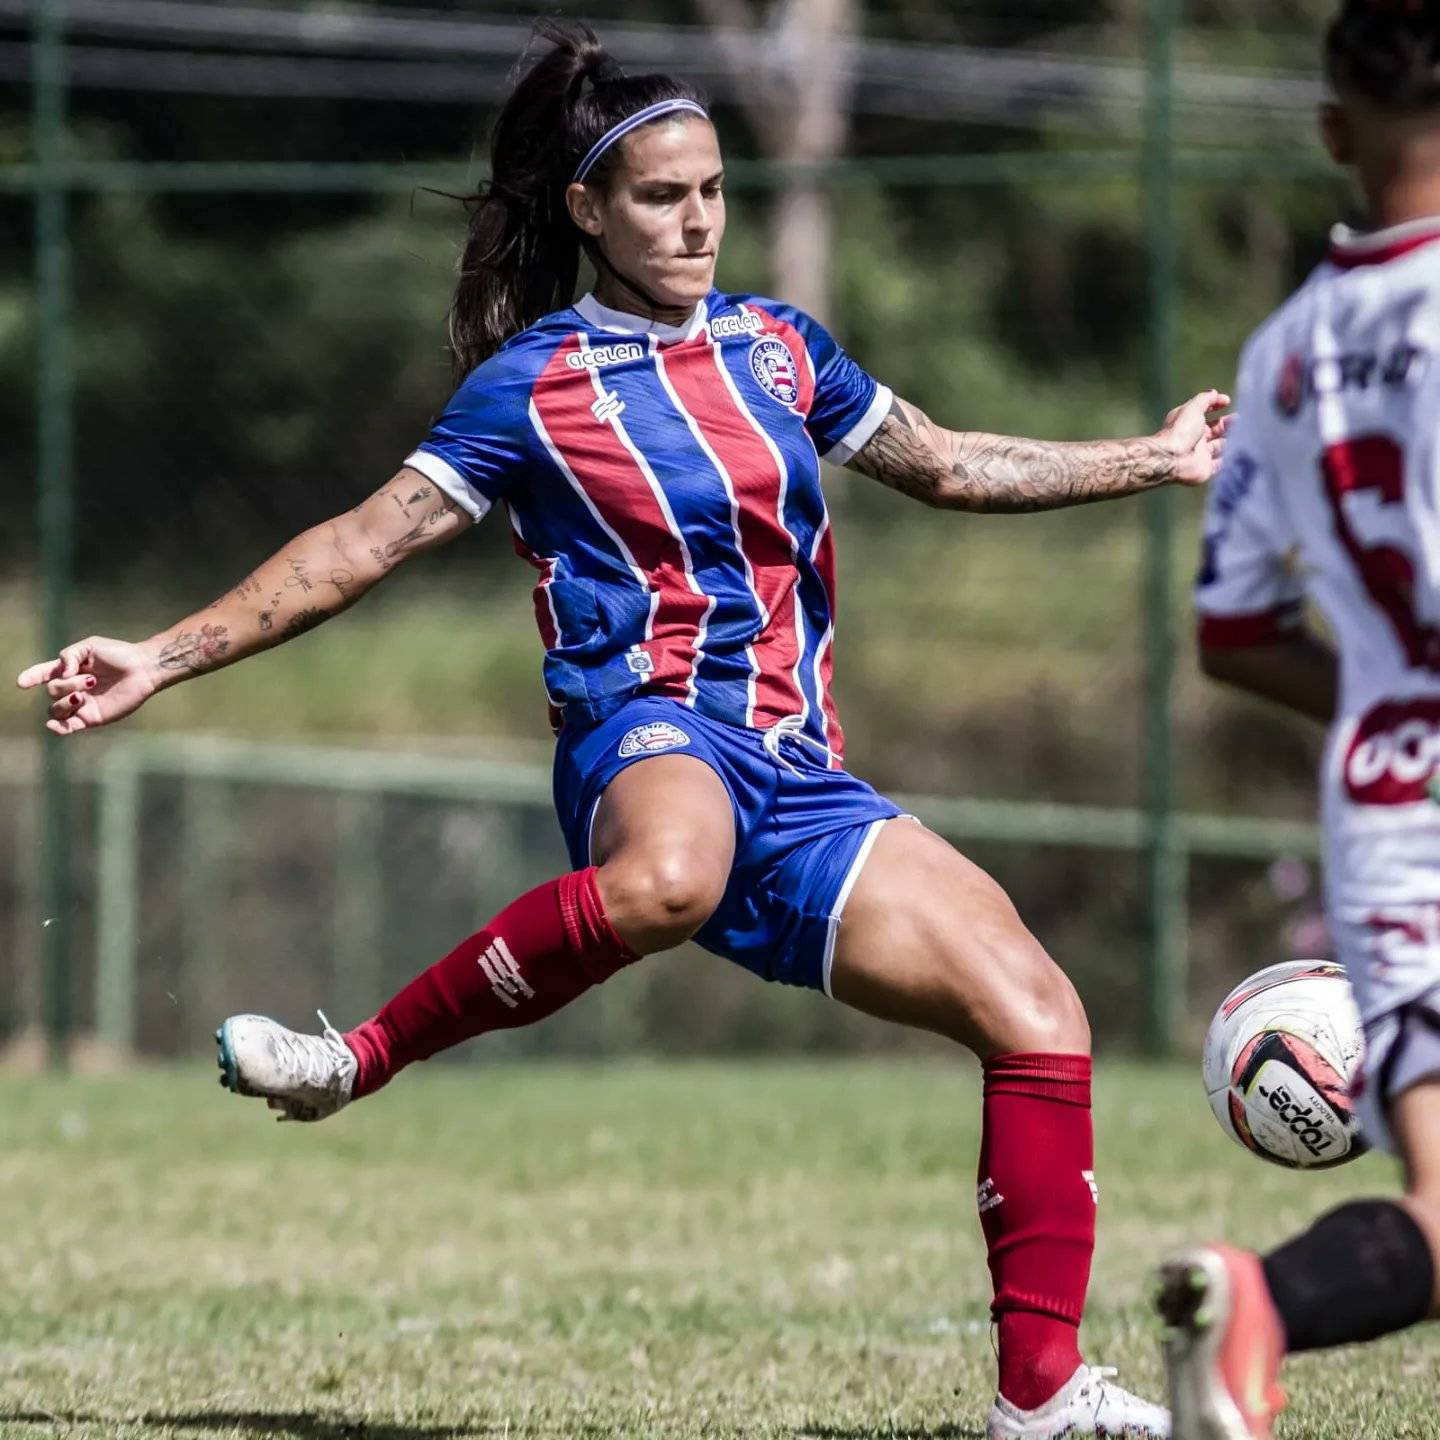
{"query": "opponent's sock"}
[(1360, 1272), (533, 958), (1037, 1208)]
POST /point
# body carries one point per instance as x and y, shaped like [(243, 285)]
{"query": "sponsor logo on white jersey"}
[(987, 1197), (723, 327), (1303, 379), (1395, 753), (504, 974), (773, 366), (599, 355), (651, 739)]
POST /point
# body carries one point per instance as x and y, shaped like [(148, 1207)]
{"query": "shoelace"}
[(790, 727), (312, 1051), (1096, 1384), (314, 1056)]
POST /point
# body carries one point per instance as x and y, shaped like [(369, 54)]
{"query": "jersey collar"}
[(601, 317), (1352, 248)]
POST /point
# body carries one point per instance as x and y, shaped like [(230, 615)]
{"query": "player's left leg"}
[(929, 940)]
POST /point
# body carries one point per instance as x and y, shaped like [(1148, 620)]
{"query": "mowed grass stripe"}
[(753, 1248)]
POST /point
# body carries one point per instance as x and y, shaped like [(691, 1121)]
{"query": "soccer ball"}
[(1279, 1057)]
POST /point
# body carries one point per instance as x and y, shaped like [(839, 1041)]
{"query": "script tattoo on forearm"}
[(195, 651), (1003, 474)]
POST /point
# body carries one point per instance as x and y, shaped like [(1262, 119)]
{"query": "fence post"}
[(117, 899), (1164, 858), (53, 464)]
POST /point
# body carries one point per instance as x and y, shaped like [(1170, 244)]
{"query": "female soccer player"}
[(1332, 491), (656, 447)]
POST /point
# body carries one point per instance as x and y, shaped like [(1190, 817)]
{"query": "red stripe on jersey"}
[(618, 488), (794, 342), (756, 480), (540, 596), (1351, 257), (1260, 627), (825, 669)]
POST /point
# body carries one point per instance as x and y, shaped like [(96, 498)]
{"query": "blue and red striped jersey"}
[(665, 484)]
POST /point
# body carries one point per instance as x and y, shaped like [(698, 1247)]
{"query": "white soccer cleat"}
[(1087, 1404), (305, 1077)]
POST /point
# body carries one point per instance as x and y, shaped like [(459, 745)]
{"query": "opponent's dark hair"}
[(522, 256), (1387, 52)]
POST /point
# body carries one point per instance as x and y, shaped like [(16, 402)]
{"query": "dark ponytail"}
[(522, 255), (1387, 52)]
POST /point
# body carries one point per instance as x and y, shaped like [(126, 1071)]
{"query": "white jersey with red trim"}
[(1330, 492)]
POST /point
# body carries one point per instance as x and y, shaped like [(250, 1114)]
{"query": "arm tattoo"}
[(1001, 474), (195, 652), (303, 620)]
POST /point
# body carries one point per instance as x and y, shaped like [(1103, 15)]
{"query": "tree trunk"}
[(793, 78)]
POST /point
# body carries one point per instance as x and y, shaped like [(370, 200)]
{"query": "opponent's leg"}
[(1365, 1270), (929, 940), (664, 840)]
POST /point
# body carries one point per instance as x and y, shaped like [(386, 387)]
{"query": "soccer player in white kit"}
[(1331, 493)]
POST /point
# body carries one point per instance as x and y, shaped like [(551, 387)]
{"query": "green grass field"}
[(748, 1249)]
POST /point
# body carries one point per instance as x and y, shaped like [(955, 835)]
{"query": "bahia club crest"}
[(774, 367)]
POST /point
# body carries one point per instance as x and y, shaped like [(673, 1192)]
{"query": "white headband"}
[(620, 131)]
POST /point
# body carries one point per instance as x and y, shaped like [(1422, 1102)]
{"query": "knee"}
[(659, 899), (1043, 1010), (1027, 1004)]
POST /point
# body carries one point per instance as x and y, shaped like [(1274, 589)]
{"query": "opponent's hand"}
[(92, 683), (1196, 439)]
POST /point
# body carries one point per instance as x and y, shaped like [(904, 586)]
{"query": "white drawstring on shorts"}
[(791, 727)]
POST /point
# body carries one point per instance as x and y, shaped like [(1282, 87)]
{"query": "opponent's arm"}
[(317, 575), (1299, 672), (967, 470)]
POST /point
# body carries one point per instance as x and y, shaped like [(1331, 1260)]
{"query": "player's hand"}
[(1196, 436), (92, 683)]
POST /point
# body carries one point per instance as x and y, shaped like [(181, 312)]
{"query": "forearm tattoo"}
[(1003, 474), (196, 651)]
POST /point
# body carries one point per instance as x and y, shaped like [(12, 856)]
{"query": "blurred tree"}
[(798, 111)]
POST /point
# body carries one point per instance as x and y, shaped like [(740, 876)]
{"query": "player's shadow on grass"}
[(299, 1424), (874, 1432)]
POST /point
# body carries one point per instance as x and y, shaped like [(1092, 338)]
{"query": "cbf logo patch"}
[(651, 739), (774, 367)]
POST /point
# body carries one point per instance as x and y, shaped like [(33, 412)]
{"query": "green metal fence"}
[(1164, 836), (357, 780)]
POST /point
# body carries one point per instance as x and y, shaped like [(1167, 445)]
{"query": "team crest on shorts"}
[(651, 739), (774, 367)]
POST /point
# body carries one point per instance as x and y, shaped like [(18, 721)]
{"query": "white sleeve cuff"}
[(451, 481), (860, 433)]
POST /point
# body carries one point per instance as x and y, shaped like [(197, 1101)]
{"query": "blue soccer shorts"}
[(802, 831)]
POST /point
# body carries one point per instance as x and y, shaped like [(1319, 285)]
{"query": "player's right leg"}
[(929, 940), (663, 836), (1367, 1269)]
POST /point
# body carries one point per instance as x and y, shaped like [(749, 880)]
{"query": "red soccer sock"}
[(1037, 1208), (531, 960)]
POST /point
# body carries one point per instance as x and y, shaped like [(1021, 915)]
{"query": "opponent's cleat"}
[(1224, 1345), (305, 1077), (1087, 1404)]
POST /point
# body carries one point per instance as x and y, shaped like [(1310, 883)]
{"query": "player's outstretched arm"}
[(318, 574), (968, 470), (1300, 672)]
